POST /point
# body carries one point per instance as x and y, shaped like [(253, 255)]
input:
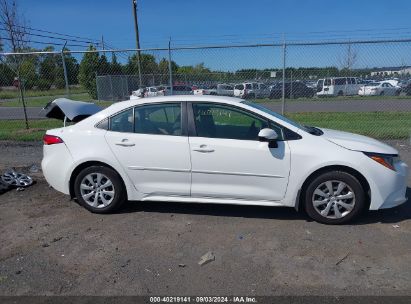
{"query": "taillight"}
[(51, 139)]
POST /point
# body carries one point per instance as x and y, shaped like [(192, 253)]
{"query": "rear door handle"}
[(203, 149), (125, 143)]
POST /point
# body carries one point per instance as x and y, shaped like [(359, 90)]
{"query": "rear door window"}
[(160, 119)]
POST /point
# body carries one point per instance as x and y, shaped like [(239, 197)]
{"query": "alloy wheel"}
[(333, 199), (97, 190)]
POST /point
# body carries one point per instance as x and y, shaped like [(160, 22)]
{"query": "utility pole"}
[(102, 44), (137, 40), (170, 72), (283, 88)]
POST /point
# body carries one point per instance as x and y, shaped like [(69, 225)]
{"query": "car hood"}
[(357, 142)]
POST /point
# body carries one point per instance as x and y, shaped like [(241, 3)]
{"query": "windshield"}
[(309, 129), (275, 114)]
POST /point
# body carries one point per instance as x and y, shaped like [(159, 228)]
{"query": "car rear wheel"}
[(99, 189), (334, 198)]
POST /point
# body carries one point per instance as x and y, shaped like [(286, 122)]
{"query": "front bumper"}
[(393, 189)]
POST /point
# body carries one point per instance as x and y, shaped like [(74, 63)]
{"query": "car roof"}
[(182, 98)]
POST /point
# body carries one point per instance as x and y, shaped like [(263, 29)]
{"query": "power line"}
[(43, 42), (50, 32), (53, 37)]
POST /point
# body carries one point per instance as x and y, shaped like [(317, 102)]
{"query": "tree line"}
[(45, 71)]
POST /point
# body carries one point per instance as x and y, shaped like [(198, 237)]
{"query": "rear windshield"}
[(239, 87)]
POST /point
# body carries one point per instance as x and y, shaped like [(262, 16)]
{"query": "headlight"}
[(387, 160)]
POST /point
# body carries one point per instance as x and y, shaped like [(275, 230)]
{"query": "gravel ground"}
[(52, 246)]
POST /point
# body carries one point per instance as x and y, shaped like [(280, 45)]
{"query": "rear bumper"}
[(56, 164)]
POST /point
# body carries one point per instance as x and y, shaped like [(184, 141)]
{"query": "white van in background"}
[(251, 90), (338, 86), (225, 89)]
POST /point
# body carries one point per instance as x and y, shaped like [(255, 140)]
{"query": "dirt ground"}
[(49, 245)]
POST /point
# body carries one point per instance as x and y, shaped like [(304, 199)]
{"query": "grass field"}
[(380, 125), (41, 101), (6, 94), (41, 98), (330, 99)]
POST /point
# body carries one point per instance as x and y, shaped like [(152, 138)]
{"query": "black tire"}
[(382, 93), (340, 93), (348, 179), (118, 187)]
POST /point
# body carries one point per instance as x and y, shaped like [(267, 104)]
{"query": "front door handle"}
[(125, 143), (203, 149)]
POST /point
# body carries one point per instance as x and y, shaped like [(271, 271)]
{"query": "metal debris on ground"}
[(16, 179), (207, 258), (34, 168), (396, 226), (182, 265), (343, 259)]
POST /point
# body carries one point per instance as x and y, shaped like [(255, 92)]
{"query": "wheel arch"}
[(361, 178), (87, 164)]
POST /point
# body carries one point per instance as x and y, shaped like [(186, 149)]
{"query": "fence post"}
[(170, 73), (21, 89), (65, 71), (283, 88)]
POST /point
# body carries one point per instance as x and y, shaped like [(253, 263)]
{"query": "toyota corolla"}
[(209, 149)]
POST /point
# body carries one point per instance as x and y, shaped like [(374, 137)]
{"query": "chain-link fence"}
[(357, 86)]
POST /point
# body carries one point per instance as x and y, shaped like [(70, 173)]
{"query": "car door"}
[(227, 159), (390, 89), (151, 143)]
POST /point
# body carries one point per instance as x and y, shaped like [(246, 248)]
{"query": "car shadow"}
[(390, 216)]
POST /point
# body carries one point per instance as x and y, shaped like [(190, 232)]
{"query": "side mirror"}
[(270, 136)]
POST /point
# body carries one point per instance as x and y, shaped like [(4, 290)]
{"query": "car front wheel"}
[(99, 189), (334, 198)]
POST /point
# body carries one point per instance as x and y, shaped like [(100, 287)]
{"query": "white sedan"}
[(209, 149), (379, 88)]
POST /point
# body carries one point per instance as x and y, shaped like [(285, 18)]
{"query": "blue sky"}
[(195, 22)]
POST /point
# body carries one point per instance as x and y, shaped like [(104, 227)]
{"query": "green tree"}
[(48, 69), (103, 66), (87, 71), (28, 72), (148, 67), (163, 66), (115, 67)]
